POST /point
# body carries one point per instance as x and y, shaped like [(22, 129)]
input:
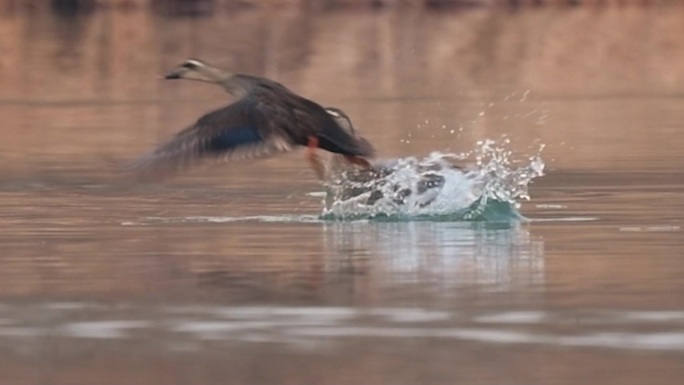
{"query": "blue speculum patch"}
[(234, 138)]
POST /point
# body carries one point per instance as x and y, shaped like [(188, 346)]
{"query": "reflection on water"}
[(446, 256), (230, 275)]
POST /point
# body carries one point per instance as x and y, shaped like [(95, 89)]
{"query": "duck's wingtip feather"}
[(148, 167)]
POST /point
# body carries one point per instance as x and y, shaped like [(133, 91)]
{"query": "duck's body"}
[(266, 118)]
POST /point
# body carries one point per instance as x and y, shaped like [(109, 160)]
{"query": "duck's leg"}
[(314, 159)]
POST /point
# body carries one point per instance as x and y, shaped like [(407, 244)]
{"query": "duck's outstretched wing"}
[(237, 132)]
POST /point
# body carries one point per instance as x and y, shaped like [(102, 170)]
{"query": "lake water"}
[(231, 275)]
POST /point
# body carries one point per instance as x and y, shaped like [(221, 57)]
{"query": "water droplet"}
[(524, 97)]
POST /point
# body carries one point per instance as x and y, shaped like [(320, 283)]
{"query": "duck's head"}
[(342, 119), (194, 69)]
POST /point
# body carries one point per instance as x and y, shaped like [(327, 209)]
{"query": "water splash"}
[(437, 187)]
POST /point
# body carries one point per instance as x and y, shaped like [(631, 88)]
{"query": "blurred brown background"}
[(82, 84)]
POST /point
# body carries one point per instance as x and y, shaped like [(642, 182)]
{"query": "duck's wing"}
[(239, 131), (302, 118)]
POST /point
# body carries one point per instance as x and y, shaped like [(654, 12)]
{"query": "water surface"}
[(230, 275)]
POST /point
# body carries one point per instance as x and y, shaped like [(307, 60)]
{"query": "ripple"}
[(650, 229), (517, 317), (654, 316), (216, 330), (175, 326), (14, 331), (565, 219), (411, 315), (225, 219), (648, 341), (102, 329), (551, 206)]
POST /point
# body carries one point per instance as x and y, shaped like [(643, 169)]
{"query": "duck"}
[(264, 120)]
